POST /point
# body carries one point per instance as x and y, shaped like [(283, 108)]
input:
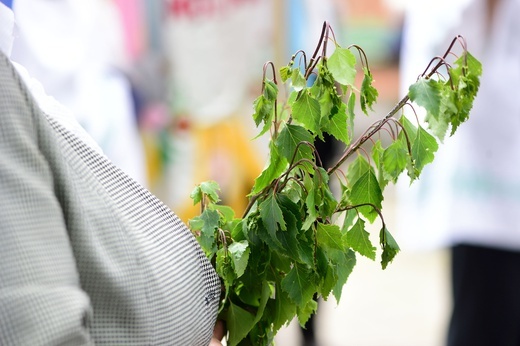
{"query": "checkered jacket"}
[(87, 255)]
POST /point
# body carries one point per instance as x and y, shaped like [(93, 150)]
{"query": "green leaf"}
[(209, 220), (210, 189), (409, 133), (306, 244), (357, 169), (249, 287), (227, 213), (263, 110), (298, 285), (305, 313), (239, 252), (196, 223), (395, 159), (342, 65), (328, 280), (239, 322), (291, 208), (264, 106), (368, 94), (423, 148), (329, 236), (276, 165), (323, 195), (474, 67), (348, 221), (282, 308), (306, 110), (338, 127), (270, 90), (439, 125), (409, 128), (224, 267), (366, 190), (297, 79), (321, 266), (351, 105), (359, 240), (285, 73), (281, 262), (288, 140), (256, 334), (389, 246), (344, 264), (325, 91), (426, 93), (290, 243), (207, 188), (466, 78), (310, 202), (377, 154), (272, 217), (196, 195), (236, 227), (266, 293)]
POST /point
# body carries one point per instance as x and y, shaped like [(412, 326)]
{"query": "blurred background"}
[(166, 88)]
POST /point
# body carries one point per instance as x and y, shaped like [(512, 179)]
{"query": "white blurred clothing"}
[(74, 48), (215, 49), (471, 192), (48, 104), (6, 29)]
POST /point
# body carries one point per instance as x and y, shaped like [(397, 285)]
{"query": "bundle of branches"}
[(296, 240)]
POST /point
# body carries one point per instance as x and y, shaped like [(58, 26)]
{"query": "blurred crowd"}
[(165, 87)]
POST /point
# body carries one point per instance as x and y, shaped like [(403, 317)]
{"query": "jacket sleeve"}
[(41, 302)]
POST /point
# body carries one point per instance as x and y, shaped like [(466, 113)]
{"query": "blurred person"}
[(215, 50), (469, 198), (76, 49), (88, 255)]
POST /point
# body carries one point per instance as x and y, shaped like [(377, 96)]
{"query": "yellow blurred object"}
[(152, 155), (224, 153)]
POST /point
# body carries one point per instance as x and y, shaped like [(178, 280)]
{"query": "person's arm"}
[(41, 301), (218, 333)]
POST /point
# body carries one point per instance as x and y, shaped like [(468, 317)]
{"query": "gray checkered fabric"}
[(88, 256)]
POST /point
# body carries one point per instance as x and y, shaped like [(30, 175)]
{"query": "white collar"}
[(6, 29)]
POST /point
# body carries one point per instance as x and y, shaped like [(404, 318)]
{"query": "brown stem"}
[(266, 65), (361, 140), (378, 211), (293, 166), (363, 56), (314, 60), (408, 143), (462, 42)]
